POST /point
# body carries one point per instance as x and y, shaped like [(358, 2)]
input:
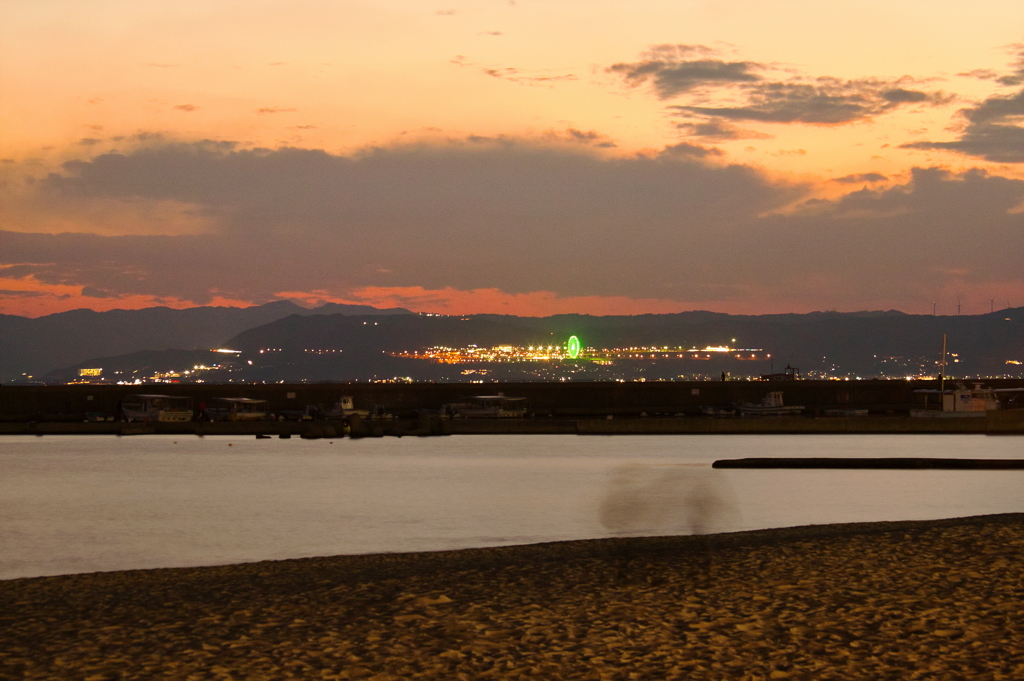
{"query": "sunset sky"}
[(524, 157)]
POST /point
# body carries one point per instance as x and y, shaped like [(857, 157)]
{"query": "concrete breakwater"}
[(994, 423), (561, 400), (875, 463)]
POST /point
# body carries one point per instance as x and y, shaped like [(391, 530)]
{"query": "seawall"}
[(994, 423), (566, 400)]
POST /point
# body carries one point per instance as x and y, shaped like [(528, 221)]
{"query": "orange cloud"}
[(749, 301), (29, 297)]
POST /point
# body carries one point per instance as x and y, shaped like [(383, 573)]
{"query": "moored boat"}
[(238, 409), (344, 408), (962, 402), (771, 405), (163, 408), (488, 407)]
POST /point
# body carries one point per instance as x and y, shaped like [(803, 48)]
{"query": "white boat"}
[(771, 405), (488, 407), (962, 402), (163, 408)]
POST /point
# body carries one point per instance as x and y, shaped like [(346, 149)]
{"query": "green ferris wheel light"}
[(573, 347)]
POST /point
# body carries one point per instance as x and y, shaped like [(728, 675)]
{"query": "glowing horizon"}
[(496, 159)]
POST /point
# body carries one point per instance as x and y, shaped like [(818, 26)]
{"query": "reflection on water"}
[(679, 500), (87, 503)]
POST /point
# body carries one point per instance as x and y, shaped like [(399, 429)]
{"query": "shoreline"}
[(860, 600), (407, 562)]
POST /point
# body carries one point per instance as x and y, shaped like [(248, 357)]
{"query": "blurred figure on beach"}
[(651, 500)]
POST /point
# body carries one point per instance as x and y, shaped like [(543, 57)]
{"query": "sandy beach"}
[(932, 599)]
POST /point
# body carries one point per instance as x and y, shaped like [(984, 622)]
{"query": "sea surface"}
[(72, 504)]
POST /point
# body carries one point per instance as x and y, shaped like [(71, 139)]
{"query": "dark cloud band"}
[(517, 217)]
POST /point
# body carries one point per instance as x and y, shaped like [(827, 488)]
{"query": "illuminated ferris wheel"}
[(572, 347)]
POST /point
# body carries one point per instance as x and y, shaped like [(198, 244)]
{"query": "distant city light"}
[(573, 349)]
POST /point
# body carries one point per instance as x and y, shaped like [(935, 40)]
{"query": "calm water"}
[(81, 504)]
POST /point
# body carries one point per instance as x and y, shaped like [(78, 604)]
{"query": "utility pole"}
[(958, 306)]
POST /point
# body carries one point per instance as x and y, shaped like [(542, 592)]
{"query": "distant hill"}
[(306, 345), (39, 346), (865, 344)]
